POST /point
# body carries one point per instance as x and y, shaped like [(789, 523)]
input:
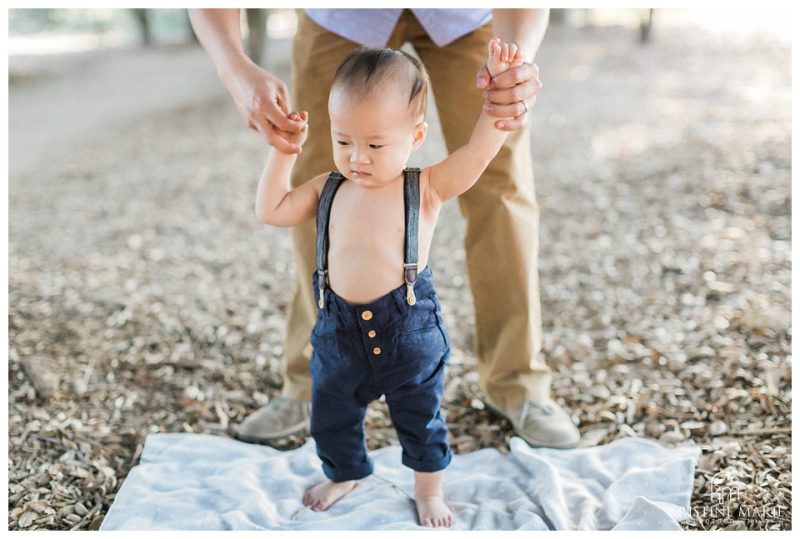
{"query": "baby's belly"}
[(362, 278)]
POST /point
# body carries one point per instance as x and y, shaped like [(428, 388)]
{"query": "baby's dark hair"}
[(366, 67)]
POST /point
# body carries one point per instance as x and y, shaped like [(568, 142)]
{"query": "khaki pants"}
[(500, 209)]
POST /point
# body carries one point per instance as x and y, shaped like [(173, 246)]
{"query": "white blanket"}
[(204, 482)]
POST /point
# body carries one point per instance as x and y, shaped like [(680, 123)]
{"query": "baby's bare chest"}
[(366, 238), (377, 225)]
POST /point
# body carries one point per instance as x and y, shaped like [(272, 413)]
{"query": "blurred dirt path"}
[(57, 104)]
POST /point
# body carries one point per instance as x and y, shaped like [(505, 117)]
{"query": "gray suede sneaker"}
[(282, 417), (541, 423)]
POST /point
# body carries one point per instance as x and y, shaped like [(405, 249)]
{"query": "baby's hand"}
[(300, 137), (502, 56)]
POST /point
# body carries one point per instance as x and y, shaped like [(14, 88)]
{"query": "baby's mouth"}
[(360, 173)]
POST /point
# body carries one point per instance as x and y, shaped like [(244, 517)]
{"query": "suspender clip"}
[(411, 298), (410, 278), (321, 278)]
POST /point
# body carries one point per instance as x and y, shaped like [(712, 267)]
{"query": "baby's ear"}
[(420, 132)]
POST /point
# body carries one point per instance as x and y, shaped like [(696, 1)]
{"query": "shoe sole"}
[(300, 427), (530, 441)]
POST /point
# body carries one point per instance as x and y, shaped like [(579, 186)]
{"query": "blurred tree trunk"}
[(257, 33), (645, 24), (192, 36), (145, 33), (564, 16), (558, 15)]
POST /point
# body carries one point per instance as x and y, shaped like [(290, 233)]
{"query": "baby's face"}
[(372, 137)]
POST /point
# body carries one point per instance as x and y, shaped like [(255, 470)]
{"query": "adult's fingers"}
[(283, 97), (512, 124), (281, 144), (516, 75), (483, 79), (520, 92), (506, 111), (278, 116), (273, 137)]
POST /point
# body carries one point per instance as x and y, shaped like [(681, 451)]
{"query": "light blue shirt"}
[(374, 27)]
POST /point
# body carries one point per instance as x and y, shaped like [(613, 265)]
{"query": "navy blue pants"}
[(386, 347)]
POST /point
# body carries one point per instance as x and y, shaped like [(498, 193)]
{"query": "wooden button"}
[(376, 351), (366, 315), (372, 334)]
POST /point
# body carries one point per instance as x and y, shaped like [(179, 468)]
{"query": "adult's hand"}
[(511, 94), (263, 101)]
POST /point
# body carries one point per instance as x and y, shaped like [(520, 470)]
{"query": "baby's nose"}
[(358, 157)]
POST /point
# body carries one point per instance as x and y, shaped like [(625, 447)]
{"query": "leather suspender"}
[(335, 180), (411, 202)]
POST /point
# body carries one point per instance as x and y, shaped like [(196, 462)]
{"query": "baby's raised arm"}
[(461, 169), (276, 202)]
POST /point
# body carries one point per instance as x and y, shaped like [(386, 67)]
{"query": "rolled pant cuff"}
[(427, 465), (353, 473)]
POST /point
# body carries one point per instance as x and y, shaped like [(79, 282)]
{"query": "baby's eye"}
[(376, 146), (343, 142)]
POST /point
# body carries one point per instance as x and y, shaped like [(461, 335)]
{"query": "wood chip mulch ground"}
[(144, 297)]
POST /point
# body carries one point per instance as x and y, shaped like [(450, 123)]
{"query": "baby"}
[(380, 329)]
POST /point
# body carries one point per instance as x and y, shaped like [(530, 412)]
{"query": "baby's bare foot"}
[(433, 512), (323, 495)]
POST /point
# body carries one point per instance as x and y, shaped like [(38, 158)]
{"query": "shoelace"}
[(535, 403)]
